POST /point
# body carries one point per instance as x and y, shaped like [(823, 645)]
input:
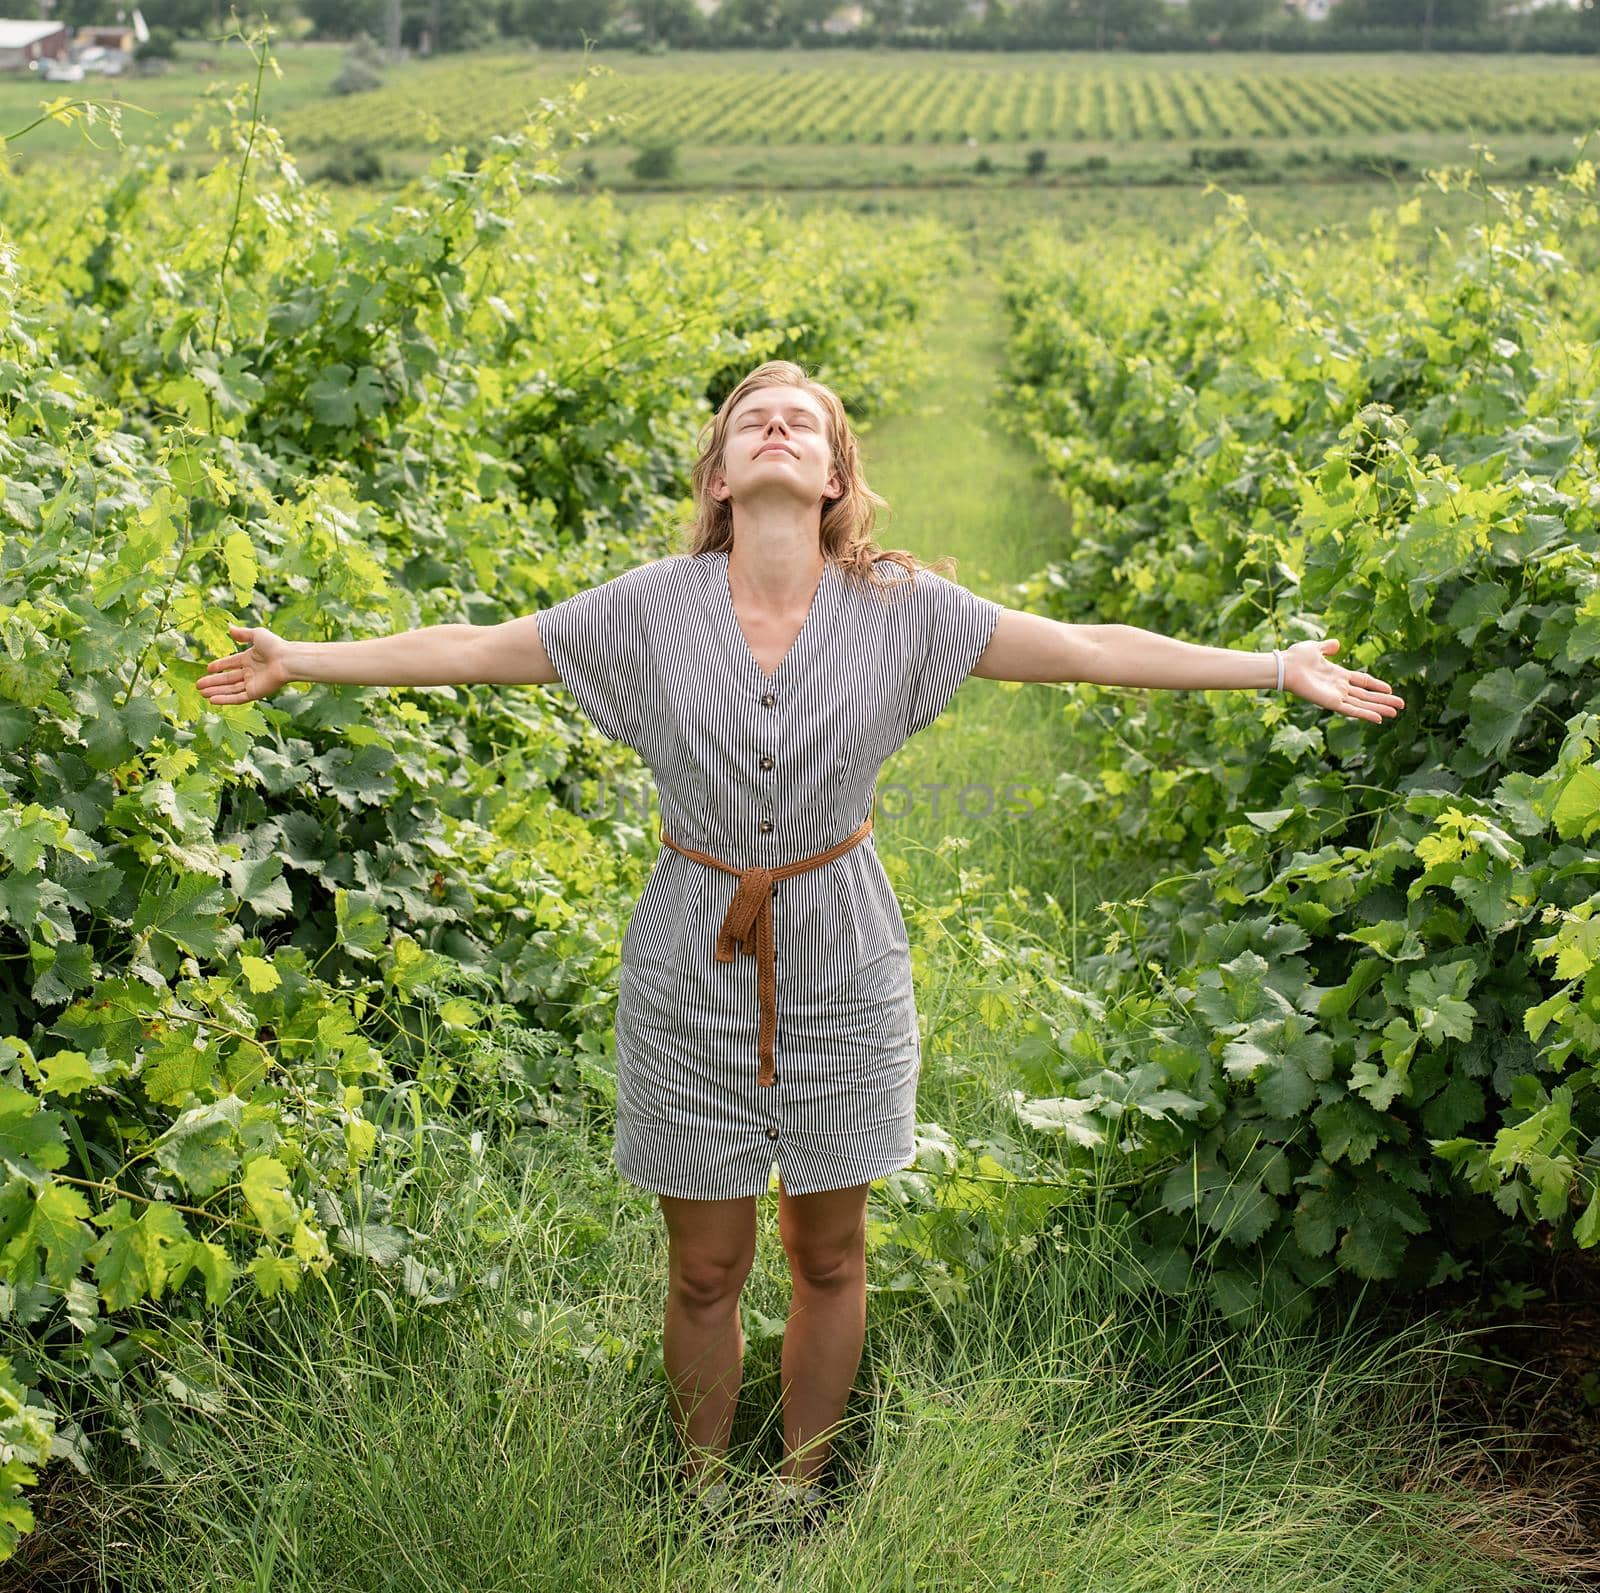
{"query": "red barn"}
[(22, 42)]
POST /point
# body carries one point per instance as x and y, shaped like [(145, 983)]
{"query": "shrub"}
[(1381, 161), (162, 45), (655, 162), (1036, 161), (351, 164), (1222, 157), (355, 77), (361, 69), (363, 47)]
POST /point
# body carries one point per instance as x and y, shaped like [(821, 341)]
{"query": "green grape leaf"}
[(1240, 1212), (1502, 703), (1377, 1086), (361, 927), (239, 555), (1341, 998), (1376, 1241), (358, 777), (1436, 998), (201, 1146), (185, 913), (1348, 1129), (273, 1272), (1460, 1102), (1577, 810), (1586, 1230), (1235, 1294), (213, 1263), (113, 730), (130, 1261), (266, 1188), (260, 882), (57, 1225), (60, 971), (340, 397), (1316, 1223), (178, 1065), (32, 1140), (1065, 1115), (70, 1072)]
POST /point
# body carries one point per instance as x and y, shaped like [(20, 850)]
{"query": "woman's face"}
[(777, 449)]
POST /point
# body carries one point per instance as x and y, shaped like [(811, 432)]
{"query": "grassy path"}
[(965, 810), (1041, 1429), (958, 484)]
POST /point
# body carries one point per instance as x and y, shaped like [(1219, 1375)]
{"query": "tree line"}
[(965, 24)]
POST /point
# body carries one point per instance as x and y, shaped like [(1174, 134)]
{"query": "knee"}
[(830, 1269), (707, 1283)]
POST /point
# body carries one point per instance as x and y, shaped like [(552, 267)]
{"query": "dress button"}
[(772, 1133), (766, 826), (766, 763), (767, 700)]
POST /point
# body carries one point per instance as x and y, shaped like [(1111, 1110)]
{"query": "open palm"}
[(1310, 673), (256, 672)]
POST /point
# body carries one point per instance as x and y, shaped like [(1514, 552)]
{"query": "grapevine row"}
[(1371, 1034), (990, 103)]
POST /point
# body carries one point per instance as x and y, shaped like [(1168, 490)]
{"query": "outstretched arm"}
[(435, 655), (1031, 647)]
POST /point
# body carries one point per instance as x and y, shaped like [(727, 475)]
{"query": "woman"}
[(765, 1009)]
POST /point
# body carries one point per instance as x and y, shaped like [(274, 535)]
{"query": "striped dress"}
[(764, 769)]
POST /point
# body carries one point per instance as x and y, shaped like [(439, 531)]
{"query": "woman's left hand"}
[(1308, 672)]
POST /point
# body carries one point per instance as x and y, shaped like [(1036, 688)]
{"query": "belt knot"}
[(742, 923)]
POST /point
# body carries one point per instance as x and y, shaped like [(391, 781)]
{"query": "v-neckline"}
[(800, 635)]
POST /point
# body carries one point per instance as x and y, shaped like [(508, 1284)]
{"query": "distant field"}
[(859, 118), (838, 97)]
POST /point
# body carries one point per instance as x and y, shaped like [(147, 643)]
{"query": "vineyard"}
[(237, 926), (313, 1269), (1379, 973), (842, 101), (981, 99)]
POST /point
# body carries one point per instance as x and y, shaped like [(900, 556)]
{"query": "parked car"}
[(108, 63), (51, 69)]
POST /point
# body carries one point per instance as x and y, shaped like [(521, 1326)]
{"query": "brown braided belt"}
[(749, 921)]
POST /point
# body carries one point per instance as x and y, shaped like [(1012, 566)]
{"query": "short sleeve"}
[(952, 628), (594, 639)]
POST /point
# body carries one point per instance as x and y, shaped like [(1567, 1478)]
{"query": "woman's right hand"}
[(256, 672)]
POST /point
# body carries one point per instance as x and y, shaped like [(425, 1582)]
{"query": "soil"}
[(1529, 1383)]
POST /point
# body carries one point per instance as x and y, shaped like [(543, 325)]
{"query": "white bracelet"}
[(1279, 656)]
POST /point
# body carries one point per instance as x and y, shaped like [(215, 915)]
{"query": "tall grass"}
[(1048, 1431)]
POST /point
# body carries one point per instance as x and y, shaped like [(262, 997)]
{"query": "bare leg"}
[(825, 1237), (711, 1244)]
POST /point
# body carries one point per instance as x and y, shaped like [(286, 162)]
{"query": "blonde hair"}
[(846, 532)]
